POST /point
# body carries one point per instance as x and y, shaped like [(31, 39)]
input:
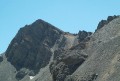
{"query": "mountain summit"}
[(31, 46), (42, 52)]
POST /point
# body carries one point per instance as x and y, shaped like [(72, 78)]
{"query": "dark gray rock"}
[(110, 18), (57, 53), (83, 36), (20, 75), (41, 46), (59, 72), (105, 22), (1, 58), (101, 24), (66, 62), (31, 46)]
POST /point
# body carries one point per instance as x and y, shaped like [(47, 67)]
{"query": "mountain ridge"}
[(42, 52)]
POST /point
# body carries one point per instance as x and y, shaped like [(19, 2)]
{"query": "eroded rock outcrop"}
[(67, 61), (84, 36), (105, 22)]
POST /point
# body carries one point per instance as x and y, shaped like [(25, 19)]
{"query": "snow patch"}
[(31, 77)]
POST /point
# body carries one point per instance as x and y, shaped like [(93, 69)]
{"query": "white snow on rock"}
[(31, 77)]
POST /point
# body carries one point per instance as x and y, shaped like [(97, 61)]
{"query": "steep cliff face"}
[(31, 46)]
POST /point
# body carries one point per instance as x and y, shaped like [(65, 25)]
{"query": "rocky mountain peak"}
[(42, 52), (31, 47), (43, 24), (36, 44)]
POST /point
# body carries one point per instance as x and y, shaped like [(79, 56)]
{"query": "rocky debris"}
[(69, 78), (105, 22), (80, 46), (91, 77), (66, 62), (62, 43), (31, 46), (59, 71), (57, 53), (67, 40), (1, 58)]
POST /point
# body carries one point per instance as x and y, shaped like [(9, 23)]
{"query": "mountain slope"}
[(42, 52), (32, 50), (102, 63)]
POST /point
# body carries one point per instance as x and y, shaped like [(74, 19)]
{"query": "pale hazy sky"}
[(68, 15)]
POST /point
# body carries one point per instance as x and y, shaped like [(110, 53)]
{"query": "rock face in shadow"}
[(31, 46), (84, 36), (20, 75), (61, 68), (1, 58)]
